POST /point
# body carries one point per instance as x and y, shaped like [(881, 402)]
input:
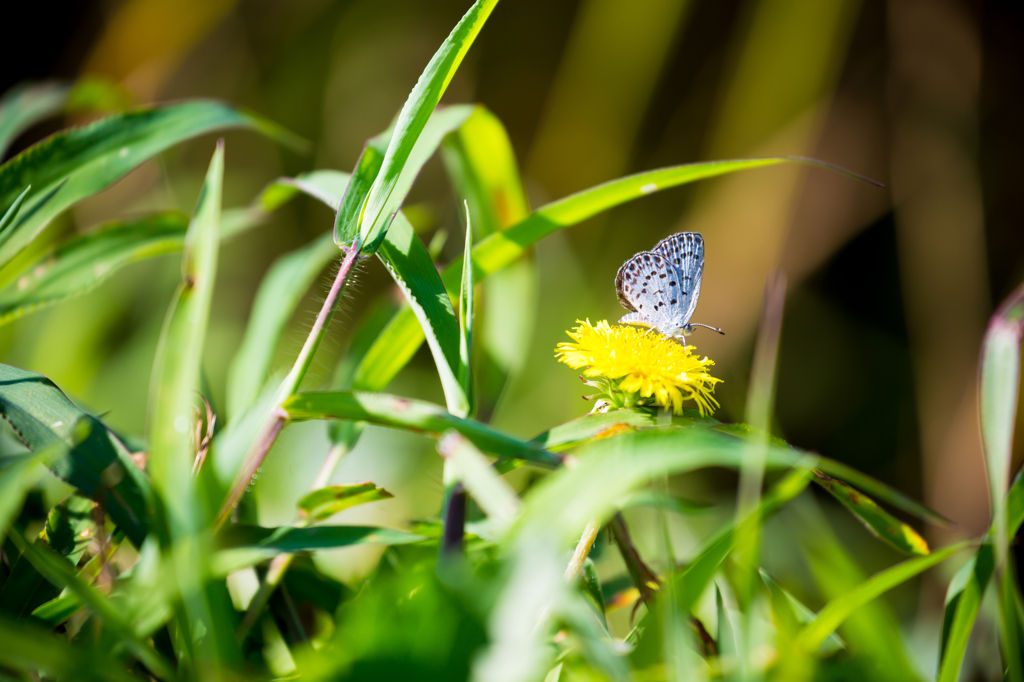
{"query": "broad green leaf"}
[(26, 104), (82, 262), (881, 524), (377, 213), (326, 502), (96, 462), (79, 162), (466, 313), (279, 295), (347, 220), (69, 530), (28, 647), (593, 427), (412, 415), (410, 266), (607, 470), (60, 572), (839, 609), (175, 381), (966, 590), (400, 341), (242, 545)]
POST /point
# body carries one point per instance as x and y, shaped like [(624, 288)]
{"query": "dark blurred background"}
[(889, 290)]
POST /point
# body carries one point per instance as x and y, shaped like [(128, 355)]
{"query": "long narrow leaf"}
[(380, 206), (412, 415), (27, 104), (840, 608), (466, 312), (83, 161)]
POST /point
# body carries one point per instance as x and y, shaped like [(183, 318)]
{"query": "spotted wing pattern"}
[(660, 287)]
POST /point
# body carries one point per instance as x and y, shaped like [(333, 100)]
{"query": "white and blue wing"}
[(649, 286), (685, 252)]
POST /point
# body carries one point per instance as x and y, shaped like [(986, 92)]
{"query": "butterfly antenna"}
[(707, 326)]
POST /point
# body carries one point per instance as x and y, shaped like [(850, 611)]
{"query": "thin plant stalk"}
[(583, 547), (275, 420)]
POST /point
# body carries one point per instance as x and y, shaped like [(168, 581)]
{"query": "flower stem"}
[(275, 420), (587, 538)]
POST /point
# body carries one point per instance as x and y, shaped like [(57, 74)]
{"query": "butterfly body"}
[(660, 287)]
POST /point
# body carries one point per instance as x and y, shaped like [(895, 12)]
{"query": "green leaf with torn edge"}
[(326, 502)]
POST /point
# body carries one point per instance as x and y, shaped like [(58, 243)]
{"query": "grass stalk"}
[(275, 420)]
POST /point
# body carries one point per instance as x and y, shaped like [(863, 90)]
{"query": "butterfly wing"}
[(685, 252), (648, 285)]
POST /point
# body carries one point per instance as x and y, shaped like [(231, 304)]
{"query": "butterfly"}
[(660, 287)]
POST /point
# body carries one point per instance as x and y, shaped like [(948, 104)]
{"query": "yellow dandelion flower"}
[(634, 367)]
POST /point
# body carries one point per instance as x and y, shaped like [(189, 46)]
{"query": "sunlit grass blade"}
[(174, 384), (999, 376), (839, 609), (881, 524), (412, 415), (880, 491), (12, 211), (502, 248), (83, 161), (42, 415), (24, 105), (466, 312), (593, 427), (324, 503), (376, 214), (28, 647), (410, 266), (83, 262), (59, 571), (795, 613), (350, 208)]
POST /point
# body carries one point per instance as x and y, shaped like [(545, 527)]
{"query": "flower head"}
[(635, 367)]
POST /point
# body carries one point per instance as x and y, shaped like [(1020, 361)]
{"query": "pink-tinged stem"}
[(277, 417)]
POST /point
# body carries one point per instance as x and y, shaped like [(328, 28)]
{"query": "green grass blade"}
[(840, 608), (83, 161), (881, 491), (17, 477), (411, 415), (42, 415), (175, 381), (27, 647), (324, 503), (880, 523), (347, 220), (82, 262), (60, 572), (791, 610), (594, 426), (409, 264), (376, 214), (966, 590), (400, 341), (27, 104), (13, 210), (466, 312)]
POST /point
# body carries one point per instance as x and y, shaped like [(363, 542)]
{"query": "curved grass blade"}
[(82, 262), (83, 161), (59, 571), (409, 264), (502, 248), (242, 545), (377, 213), (839, 609), (411, 415), (999, 377), (96, 462), (324, 503), (175, 380), (594, 427), (27, 647), (790, 613), (12, 211), (881, 524), (27, 104), (966, 590)]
